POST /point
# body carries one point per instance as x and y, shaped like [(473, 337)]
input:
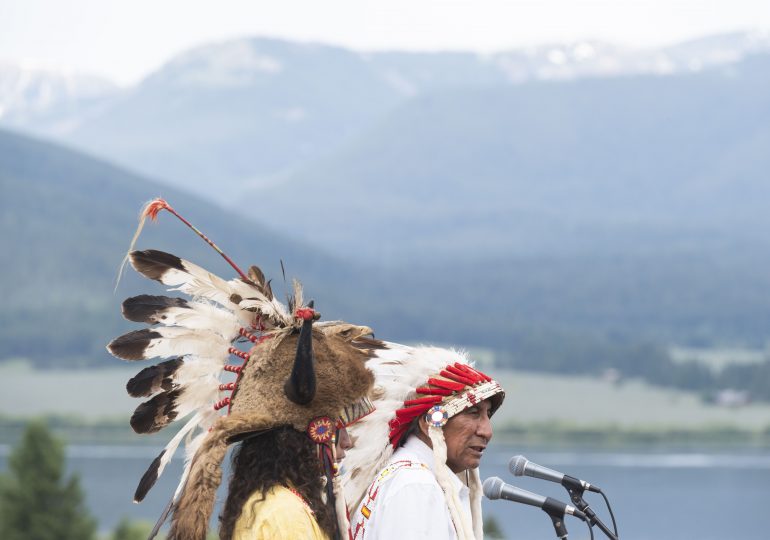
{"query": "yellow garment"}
[(283, 515)]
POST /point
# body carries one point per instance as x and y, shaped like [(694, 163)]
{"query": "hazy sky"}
[(125, 39)]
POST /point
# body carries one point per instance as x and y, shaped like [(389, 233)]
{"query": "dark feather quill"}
[(154, 378), (132, 346), (148, 479), (150, 309), (258, 278), (256, 275), (162, 519), (155, 414)]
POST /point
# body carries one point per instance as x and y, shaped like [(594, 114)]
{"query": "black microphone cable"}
[(609, 509), (576, 496), (590, 529)]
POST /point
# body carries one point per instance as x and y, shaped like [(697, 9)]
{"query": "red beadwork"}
[(248, 335), (320, 430), (239, 369), (221, 403), (239, 354), (228, 386)]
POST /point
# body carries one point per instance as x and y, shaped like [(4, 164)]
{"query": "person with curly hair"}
[(281, 497)]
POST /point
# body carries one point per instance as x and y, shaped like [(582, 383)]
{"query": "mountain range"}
[(621, 165), (245, 114), (433, 196)]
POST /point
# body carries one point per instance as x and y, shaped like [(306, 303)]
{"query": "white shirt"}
[(411, 504)]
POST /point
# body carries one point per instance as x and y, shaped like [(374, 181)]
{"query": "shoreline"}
[(555, 434)]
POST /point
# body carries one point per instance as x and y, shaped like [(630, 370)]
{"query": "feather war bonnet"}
[(294, 372)]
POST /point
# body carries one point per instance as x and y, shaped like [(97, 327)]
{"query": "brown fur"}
[(196, 503), (341, 379), (260, 403)]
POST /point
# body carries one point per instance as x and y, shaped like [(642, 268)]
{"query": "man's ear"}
[(422, 431), (422, 424)]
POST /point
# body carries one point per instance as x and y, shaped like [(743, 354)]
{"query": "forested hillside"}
[(67, 220)]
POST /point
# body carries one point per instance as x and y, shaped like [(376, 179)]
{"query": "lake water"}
[(655, 494)]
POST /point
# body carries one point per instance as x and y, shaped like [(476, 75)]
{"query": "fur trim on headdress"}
[(342, 379), (196, 503)]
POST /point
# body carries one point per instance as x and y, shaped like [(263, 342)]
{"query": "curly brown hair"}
[(279, 457)]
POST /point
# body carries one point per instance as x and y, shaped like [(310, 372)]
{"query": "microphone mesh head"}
[(492, 487), (517, 465)]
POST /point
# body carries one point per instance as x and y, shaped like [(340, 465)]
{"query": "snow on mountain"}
[(413, 73), (26, 91), (596, 59), (719, 49), (228, 64)]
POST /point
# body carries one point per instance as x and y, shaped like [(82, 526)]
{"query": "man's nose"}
[(345, 442), (484, 428)]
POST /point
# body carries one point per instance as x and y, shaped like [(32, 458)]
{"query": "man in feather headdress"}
[(414, 470), (295, 389)]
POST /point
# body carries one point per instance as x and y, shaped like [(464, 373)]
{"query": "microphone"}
[(495, 488), (521, 466)]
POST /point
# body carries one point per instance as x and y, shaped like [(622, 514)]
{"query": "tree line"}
[(39, 502)]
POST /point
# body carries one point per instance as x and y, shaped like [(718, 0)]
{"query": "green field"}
[(586, 402), (717, 359), (89, 394), (531, 398)]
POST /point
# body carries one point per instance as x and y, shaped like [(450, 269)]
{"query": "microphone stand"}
[(576, 490), (555, 511)]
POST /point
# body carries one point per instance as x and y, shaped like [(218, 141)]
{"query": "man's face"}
[(343, 443), (467, 434)]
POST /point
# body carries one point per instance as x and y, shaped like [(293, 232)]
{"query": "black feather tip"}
[(132, 346), (153, 264), (153, 379), (148, 479), (155, 414), (150, 309)]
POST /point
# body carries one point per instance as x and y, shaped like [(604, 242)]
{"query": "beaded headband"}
[(459, 387)]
